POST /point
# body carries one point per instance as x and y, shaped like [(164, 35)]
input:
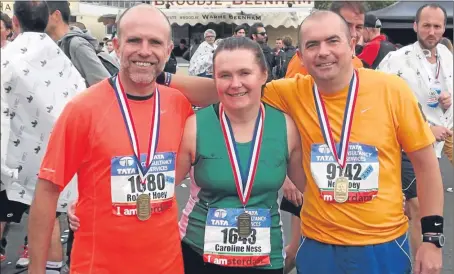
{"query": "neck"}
[(374, 36), (135, 89), (243, 116), (335, 85), (3, 43), (59, 32), (433, 52)]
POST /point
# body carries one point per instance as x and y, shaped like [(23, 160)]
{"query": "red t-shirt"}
[(88, 136)]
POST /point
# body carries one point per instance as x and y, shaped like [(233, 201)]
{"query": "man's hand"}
[(441, 133), (74, 221), (291, 193), (428, 259), (445, 100)]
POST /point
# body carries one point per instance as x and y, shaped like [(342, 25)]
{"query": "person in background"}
[(109, 46), (240, 31), (447, 43), (81, 47), (6, 29), (201, 64), (181, 49), (376, 45), (257, 32), (279, 45), (284, 56), (37, 81), (426, 66), (353, 13)]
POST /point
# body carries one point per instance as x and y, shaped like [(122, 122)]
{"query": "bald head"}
[(142, 11), (311, 21)]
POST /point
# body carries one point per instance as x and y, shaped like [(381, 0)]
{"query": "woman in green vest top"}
[(240, 152)]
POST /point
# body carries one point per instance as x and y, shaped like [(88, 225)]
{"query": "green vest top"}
[(213, 185)]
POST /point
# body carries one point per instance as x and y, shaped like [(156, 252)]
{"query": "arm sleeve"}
[(409, 119), (68, 146), (369, 53), (274, 93), (87, 62)]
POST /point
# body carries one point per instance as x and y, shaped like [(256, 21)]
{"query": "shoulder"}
[(173, 96), (93, 98), (286, 84)]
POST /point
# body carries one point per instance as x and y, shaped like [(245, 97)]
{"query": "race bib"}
[(126, 185), (361, 170), (224, 247)]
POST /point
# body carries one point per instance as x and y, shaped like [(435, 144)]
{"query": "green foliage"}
[(370, 5)]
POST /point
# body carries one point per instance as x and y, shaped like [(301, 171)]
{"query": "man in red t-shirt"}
[(377, 46), (120, 137)]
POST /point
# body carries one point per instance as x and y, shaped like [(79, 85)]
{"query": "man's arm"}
[(428, 176), (40, 224), (200, 91), (84, 58)]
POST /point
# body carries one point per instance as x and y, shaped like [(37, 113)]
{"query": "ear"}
[(415, 27), (300, 56), (352, 45), (116, 45), (16, 25)]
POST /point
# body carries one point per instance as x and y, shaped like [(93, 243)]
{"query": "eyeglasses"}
[(262, 33), (209, 36)]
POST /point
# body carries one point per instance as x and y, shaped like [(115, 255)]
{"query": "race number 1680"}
[(152, 182)]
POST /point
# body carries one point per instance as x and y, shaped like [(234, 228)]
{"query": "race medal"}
[(132, 133), (244, 224), (143, 207), (341, 189), (243, 181), (340, 154)]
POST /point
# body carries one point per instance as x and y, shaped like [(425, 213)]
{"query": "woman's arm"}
[(186, 153), (295, 170)]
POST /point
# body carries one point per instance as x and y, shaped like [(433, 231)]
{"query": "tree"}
[(370, 5)]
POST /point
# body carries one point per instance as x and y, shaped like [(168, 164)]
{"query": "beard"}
[(426, 45), (139, 76)]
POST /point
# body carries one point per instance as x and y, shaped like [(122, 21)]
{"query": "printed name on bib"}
[(362, 170), (126, 184), (223, 246)]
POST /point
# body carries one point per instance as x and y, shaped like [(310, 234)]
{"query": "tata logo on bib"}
[(324, 149), (126, 161), (220, 213)]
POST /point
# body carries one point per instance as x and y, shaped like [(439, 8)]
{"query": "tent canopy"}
[(402, 14)]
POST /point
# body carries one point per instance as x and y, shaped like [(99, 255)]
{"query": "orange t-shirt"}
[(295, 66), (386, 120), (88, 135)]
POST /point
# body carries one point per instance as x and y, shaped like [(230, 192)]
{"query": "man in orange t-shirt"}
[(354, 124), (120, 137)]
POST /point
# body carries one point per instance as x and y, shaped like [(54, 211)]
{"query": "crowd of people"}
[(350, 127)]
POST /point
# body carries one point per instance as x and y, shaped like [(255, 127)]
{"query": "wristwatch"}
[(437, 239)]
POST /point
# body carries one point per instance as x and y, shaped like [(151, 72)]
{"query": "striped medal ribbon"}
[(243, 182), (132, 133), (341, 185)]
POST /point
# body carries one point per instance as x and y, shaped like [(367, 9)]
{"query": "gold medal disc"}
[(143, 207), (341, 190)]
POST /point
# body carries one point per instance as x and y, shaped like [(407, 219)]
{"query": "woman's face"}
[(210, 38), (239, 78)]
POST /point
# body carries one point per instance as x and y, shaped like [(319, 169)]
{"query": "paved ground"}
[(17, 231)]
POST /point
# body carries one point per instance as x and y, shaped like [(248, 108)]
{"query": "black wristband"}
[(168, 78), (432, 224), (161, 79)]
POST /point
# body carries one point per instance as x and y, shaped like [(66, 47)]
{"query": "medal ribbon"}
[(341, 155), (243, 182), (132, 133)]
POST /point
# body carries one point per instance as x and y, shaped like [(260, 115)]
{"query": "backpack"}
[(110, 67)]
